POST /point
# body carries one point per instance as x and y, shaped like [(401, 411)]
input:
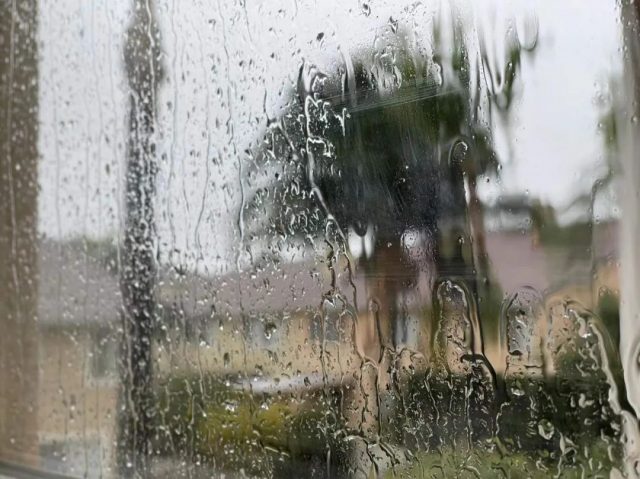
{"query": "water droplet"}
[(393, 24), (546, 429), (269, 329)]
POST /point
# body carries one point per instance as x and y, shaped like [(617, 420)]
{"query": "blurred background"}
[(340, 239)]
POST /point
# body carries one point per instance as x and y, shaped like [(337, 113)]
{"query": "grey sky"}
[(222, 59)]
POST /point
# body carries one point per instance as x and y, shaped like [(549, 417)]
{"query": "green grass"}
[(481, 463)]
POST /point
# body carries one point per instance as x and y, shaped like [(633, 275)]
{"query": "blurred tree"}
[(393, 143), (138, 271)]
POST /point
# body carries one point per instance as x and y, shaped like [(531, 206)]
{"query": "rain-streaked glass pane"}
[(336, 239)]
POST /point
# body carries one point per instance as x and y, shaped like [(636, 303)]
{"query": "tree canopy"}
[(384, 144)]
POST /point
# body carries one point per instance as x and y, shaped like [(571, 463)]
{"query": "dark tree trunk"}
[(138, 271)]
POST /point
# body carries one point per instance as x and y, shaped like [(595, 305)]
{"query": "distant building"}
[(284, 328), (79, 307)]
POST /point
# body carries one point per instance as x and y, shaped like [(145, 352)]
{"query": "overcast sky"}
[(229, 66)]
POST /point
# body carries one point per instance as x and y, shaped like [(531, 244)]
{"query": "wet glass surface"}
[(332, 239)]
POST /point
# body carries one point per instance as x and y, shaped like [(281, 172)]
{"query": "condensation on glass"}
[(332, 239)]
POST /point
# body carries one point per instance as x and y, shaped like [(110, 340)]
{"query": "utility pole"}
[(138, 268)]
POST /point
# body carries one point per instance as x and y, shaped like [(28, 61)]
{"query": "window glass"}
[(333, 239)]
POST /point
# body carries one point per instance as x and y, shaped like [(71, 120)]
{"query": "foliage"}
[(609, 312), (577, 235), (452, 463), (392, 142), (387, 147), (544, 429), (233, 429)]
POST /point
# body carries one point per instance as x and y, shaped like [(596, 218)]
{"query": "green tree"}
[(387, 145)]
